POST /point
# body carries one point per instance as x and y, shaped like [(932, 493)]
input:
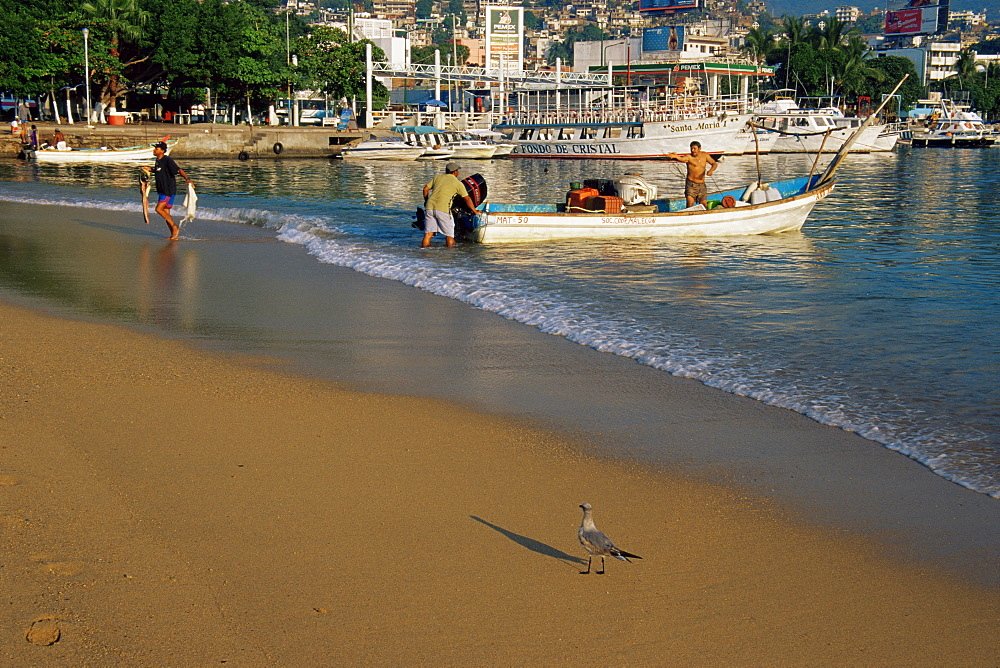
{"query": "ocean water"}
[(880, 317)]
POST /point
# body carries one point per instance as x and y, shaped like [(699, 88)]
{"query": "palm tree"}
[(759, 43), (965, 66), (122, 21), (833, 35), (795, 29), (855, 72)]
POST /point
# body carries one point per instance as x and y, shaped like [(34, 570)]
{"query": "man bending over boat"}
[(438, 195), (694, 188)]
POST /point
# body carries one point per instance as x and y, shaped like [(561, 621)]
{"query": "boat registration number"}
[(603, 220)]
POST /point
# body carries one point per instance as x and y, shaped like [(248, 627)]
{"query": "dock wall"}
[(204, 140)]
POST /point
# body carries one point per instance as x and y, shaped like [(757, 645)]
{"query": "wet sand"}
[(166, 505)]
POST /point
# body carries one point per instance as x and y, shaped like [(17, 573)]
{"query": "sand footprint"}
[(48, 564), (67, 569), (44, 631), (7, 480)]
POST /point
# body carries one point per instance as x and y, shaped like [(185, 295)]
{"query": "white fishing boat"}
[(142, 153), (801, 130), (425, 137), (440, 144), (630, 207), (375, 148), (781, 206)]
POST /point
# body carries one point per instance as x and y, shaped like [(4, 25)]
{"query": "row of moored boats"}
[(649, 132)]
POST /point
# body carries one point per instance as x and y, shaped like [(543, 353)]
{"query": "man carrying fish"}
[(165, 171)]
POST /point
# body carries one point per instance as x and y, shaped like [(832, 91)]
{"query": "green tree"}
[(120, 23), (894, 67), (758, 43), (833, 35), (38, 53), (243, 50), (794, 28), (331, 63), (965, 66), (870, 24)]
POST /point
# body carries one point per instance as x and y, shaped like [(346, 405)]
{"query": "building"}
[(933, 60), (848, 14), (967, 17), (694, 43), (402, 10)]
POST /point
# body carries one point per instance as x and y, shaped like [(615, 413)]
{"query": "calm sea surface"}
[(881, 317)]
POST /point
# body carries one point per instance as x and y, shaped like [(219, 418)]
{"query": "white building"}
[(934, 61), (968, 17), (848, 14)]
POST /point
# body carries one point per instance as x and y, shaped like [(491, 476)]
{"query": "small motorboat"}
[(504, 148), (142, 153), (962, 128), (375, 148)]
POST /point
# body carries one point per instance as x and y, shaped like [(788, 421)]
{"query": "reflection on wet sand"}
[(167, 290)]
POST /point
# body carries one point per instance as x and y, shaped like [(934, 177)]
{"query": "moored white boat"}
[(959, 127), (467, 147), (503, 148), (142, 153), (642, 133), (382, 149), (808, 130)]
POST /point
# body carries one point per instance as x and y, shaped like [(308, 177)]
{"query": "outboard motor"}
[(633, 189)]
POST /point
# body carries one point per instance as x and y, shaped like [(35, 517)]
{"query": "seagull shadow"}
[(532, 544)]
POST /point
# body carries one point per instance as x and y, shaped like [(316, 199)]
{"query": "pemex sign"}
[(504, 37)]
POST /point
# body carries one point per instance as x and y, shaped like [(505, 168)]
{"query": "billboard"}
[(666, 5), (917, 17), (667, 38), (504, 37), (915, 21)]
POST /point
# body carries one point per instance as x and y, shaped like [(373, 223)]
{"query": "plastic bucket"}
[(117, 118)]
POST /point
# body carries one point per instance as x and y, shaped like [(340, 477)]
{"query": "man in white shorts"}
[(438, 195)]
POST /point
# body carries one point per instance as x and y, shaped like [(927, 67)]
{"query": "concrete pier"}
[(203, 140)]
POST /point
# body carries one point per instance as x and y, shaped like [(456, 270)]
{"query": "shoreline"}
[(223, 450), (329, 322), (167, 505)]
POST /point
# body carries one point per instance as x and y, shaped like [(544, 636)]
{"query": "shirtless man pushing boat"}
[(694, 188)]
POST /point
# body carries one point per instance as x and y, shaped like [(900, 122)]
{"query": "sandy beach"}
[(163, 503)]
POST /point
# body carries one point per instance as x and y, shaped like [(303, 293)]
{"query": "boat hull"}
[(953, 142), (136, 154), (784, 215), (717, 135), (401, 153), (867, 142), (472, 152)]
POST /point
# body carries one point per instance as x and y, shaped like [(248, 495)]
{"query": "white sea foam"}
[(560, 315), (678, 355)]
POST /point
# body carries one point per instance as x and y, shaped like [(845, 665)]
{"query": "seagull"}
[(596, 543)]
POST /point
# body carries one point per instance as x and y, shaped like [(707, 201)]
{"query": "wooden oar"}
[(842, 153)]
